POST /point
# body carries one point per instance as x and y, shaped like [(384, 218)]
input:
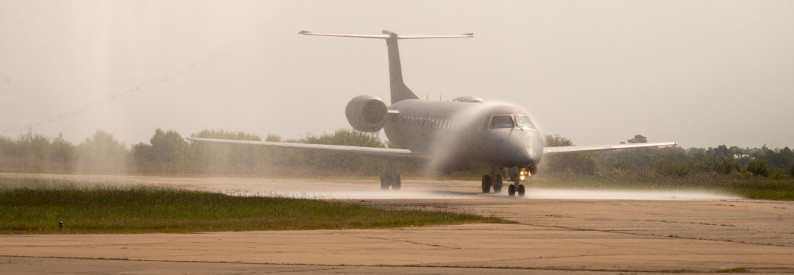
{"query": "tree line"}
[(675, 162), (167, 153)]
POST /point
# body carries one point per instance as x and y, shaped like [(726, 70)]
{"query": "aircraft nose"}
[(522, 148)]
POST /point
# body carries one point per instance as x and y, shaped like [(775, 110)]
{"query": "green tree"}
[(102, 153), (168, 147), (778, 158), (33, 146), (638, 139), (791, 171), (62, 153), (6, 146), (556, 140), (758, 167), (168, 153), (571, 163), (29, 152), (343, 161), (722, 152), (221, 134), (672, 162), (221, 158), (272, 138), (347, 137)]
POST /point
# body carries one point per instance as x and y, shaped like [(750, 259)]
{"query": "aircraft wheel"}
[(497, 185), (521, 190), (486, 184), (511, 190), (384, 182), (395, 184)]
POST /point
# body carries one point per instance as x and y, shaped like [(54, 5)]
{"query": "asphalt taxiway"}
[(555, 231)]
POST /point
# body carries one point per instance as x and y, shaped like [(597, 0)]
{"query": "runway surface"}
[(556, 230)]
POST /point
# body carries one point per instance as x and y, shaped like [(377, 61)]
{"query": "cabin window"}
[(503, 121), (524, 122)]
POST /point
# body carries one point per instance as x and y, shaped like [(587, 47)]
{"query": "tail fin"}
[(399, 91)]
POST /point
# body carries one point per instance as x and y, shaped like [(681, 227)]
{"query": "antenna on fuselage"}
[(399, 91)]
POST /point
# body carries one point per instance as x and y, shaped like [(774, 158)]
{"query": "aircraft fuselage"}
[(465, 135)]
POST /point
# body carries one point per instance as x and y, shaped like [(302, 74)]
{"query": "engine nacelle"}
[(366, 113)]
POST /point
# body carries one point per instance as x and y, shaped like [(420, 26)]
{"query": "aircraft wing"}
[(387, 153), (571, 149)]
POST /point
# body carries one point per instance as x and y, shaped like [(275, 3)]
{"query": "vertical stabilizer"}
[(399, 91)]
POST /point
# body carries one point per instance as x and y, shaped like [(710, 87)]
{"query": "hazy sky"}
[(703, 73)]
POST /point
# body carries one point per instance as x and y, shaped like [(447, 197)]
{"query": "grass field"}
[(751, 188), (35, 207)]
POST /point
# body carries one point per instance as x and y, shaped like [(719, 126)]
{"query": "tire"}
[(511, 190), (384, 182), (521, 190), (497, 185), (395, 184), (486, 184)]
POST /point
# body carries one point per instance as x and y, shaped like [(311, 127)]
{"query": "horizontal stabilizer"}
[(399, 91), (385, 36)]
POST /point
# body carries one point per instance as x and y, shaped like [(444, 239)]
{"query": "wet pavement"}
[(555, 231)]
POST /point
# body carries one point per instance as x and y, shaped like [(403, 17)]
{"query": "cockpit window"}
[(511, 121), (503, 121), (524, 122)]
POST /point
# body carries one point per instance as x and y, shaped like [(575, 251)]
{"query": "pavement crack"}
[(398, 240)]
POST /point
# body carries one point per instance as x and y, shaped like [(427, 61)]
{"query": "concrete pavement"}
[(551, 235)]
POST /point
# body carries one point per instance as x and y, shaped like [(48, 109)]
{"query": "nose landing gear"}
[(517, 178), (512, 189)]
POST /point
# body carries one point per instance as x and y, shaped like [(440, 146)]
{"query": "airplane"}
[(461, 134)]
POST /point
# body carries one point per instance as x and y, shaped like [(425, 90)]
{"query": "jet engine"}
[(366, 113)]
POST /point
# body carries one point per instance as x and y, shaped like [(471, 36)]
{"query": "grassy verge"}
[(751, 188), (33, 207)]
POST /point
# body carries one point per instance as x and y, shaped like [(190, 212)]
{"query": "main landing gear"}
[(390, 177), (493, 180), (392, 180), (496, 181)]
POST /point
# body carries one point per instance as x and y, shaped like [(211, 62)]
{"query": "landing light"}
[(522, 175)]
